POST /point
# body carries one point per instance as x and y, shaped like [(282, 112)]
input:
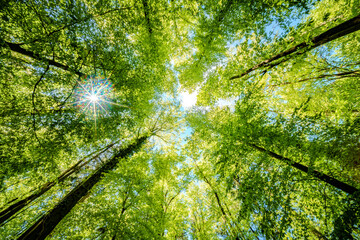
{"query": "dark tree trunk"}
[(318, 234), (17, 206), (146, 14), (340, 30), (44, 226), (321, 176)]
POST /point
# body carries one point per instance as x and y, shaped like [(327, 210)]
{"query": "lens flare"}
[(93, 96)]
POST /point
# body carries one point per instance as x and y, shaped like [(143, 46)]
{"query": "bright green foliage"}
[(224, 169), (272, 194)]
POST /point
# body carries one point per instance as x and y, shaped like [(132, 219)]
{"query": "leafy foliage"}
[(275, 110)]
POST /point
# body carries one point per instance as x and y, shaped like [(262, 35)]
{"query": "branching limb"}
[(33, 101)]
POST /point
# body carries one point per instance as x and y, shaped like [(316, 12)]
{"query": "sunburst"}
[(93, 96)]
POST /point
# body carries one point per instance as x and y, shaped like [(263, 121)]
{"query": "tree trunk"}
[(321, 176), (146, 14), (318, 234), (14, 208), (44, 226), (340, 30)]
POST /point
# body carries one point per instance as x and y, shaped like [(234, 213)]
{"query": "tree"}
[(18, 205), (234, 152), (341, 30), (270, 150), (42, 228)]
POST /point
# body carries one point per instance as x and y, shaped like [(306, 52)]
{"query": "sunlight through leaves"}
[(93, 96)]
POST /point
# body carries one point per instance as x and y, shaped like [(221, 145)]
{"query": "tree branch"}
[(338, 31), (33, 101), (334, 76), (16, 48)]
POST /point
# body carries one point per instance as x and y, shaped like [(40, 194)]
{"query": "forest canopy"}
[(210, 119)]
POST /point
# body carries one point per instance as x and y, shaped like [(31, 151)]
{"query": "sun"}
[(93, 96)]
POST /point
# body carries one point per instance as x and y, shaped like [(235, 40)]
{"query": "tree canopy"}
[(96, 141)]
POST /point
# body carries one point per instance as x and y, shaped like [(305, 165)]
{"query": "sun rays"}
[(93, 96)]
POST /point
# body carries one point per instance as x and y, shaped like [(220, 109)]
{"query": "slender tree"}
[(226, 214), (12, 209), (321, 176), (328, 77), (44, 226), (18, 49)]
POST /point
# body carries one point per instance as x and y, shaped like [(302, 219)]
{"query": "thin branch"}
[(72, 90), (39, 16), (74, 23), (225, 215), (333, 77), (33, 102)]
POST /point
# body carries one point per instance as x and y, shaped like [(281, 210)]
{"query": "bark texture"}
[(17, 206), (44, 226)]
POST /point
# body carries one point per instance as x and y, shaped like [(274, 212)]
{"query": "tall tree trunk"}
[(340, 30), (321, 176), (146, 14), (44, 226), (17, 206), (16, 47)]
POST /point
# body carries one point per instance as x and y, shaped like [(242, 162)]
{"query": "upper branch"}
[(338, 31), (16, 48)]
